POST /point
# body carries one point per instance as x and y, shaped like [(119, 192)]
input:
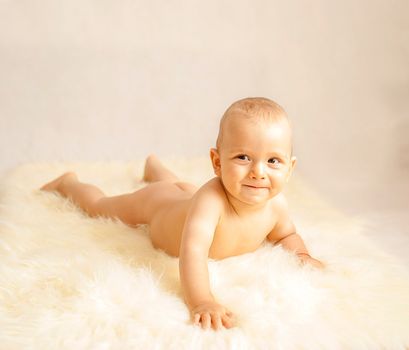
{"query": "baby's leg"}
[(133, 208), (128, 207), (84, 195), (155, 171)]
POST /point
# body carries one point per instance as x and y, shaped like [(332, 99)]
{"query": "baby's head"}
[(252, 109), (254, 146)]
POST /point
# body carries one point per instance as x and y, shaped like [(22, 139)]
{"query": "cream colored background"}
[(115, 80)]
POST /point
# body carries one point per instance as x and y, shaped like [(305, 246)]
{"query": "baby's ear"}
[(215, 157), (293, 162)]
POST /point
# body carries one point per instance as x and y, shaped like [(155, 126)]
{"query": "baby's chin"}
[(253, 199)]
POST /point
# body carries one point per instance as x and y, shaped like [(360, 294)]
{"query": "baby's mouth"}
[(255, 187)]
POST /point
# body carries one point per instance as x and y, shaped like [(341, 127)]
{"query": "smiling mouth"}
[(256, 187)]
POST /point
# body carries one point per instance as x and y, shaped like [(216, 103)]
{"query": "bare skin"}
[(231, 214)]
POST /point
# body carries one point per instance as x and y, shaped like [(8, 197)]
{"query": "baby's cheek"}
[(278, 181), (278, 176)]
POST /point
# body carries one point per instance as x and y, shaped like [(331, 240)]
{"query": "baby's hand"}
[(305, 258), (212, 314)]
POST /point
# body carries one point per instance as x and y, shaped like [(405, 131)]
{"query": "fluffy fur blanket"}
[(68, 281)]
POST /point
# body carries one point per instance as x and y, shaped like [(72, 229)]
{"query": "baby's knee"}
[(97, 208)]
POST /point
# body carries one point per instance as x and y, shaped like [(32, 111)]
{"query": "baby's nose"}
[(257, 171)]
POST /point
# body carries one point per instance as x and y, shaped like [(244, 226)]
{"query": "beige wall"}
[(115, 80)]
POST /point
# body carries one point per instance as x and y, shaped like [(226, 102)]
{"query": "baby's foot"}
[(156, 171), (55, 184), (152, 162)]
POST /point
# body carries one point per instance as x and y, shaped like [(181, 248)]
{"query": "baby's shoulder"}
[(213, 186), (211, 192)]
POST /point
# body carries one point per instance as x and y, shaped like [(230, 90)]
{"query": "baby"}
[(231, 214)]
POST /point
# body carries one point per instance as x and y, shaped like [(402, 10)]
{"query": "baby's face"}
[(254, 159)]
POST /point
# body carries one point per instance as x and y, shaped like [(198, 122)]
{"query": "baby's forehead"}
[(238, 123), (240, 116), (250, 119), (256, 133), (246, 133)]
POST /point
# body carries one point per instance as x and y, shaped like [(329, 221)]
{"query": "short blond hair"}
[(252, 108)]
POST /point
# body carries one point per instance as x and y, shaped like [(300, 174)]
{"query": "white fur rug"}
[(72, 282)]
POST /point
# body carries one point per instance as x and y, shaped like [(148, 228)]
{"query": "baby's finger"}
[(196, 319), (216, 322), (227, 321), (206, 320)]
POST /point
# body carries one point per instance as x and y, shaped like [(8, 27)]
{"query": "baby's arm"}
[(284, 233), (197, 238)]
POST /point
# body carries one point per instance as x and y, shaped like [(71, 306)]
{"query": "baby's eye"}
[(243, 157), (274, 161)]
